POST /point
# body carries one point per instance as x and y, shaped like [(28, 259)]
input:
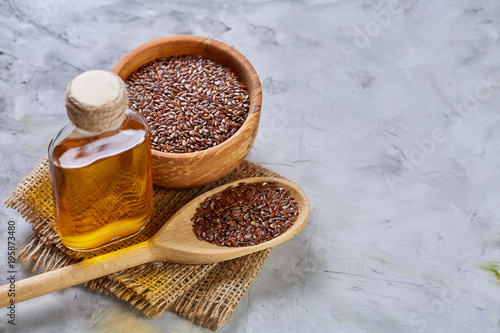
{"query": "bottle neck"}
[(81, 133)]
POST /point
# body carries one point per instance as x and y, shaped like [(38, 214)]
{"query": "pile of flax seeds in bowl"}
[(190, 104)]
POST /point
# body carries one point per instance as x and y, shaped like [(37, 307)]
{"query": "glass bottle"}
[(100, 164)]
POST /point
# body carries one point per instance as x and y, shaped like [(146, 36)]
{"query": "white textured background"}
[(384, 112)]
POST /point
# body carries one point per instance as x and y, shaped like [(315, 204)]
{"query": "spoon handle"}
[(71, 275)]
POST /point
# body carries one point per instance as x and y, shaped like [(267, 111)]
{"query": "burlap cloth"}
[(207, 294)]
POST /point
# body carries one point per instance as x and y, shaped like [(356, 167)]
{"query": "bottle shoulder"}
[(75, 146), (136, 117)]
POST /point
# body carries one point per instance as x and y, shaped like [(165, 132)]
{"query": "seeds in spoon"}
[(247, 214)]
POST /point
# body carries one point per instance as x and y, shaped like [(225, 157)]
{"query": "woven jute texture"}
[(207, 294)]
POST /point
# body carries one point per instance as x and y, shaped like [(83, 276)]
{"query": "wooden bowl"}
[(186, 170)]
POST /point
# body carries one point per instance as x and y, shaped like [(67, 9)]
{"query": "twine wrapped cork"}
[(96, 101)]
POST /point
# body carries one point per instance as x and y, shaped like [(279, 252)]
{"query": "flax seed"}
[(195, 103), (226, 220)]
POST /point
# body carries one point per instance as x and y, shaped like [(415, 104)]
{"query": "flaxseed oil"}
[(103, 187)]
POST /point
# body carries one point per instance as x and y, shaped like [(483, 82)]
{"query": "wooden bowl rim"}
[(255, 103)]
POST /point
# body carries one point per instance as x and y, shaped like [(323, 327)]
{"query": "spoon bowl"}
[(178, 243), (175, 242)]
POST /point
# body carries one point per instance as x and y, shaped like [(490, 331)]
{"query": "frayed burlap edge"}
[(206, 304)]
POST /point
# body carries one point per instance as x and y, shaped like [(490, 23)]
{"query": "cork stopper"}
[(96, 101)]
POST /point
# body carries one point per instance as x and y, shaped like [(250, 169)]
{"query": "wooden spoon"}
[(175, 242)]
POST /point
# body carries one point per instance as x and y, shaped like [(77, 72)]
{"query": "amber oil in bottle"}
[(101, 173)]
